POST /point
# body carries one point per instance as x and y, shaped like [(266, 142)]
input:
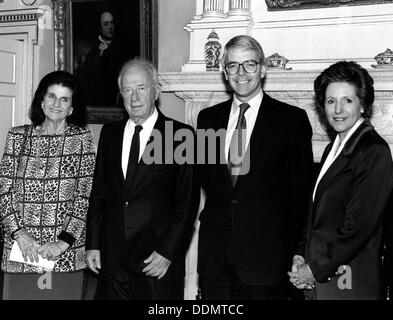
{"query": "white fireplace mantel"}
[(200, 90)]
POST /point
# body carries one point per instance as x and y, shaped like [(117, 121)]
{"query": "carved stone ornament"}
[(384, 60), (305, 4), (276, 61), (212, 52), (28, 2)]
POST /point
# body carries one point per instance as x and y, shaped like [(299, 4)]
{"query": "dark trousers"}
[(129, 285), (228, 286)]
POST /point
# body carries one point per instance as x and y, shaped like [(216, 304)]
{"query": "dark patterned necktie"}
[(237, 148), (134, 155)]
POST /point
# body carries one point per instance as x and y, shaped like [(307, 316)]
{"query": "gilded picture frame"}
[(310, 4), (67, 28)]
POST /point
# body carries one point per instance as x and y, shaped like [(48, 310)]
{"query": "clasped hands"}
[(30, 248), (301, 275)]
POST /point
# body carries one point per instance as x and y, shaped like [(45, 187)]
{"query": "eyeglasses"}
[(249, 66)]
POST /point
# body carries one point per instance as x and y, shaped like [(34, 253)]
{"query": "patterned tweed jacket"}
[(45, 184)]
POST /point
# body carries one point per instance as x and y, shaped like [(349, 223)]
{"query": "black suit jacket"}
[(156, 213), (257, 222), (346, 219)]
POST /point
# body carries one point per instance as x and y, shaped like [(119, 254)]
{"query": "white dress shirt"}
[(250, 115), (144, 136), (334, 152), (104, 44)]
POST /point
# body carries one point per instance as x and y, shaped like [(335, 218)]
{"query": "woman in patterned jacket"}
[(46, 175)]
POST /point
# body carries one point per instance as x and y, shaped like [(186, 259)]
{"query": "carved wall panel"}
[(307, 4)]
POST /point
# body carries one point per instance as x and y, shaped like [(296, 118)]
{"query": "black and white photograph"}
[(197, 157)]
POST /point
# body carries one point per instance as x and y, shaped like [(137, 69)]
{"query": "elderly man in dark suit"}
[(256, 200), (143, 206)]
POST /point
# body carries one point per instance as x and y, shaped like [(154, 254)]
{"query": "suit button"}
[(126, 203), (329, 279)]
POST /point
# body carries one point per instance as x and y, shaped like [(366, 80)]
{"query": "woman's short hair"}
[(246, 43), (349, 72), (65, 79)]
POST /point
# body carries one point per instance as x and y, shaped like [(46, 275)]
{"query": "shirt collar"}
[(101, 39), (149, 122), (351, 131), (254, 102)]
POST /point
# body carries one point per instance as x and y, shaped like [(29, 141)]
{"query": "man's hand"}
[(303, 277), (93, 258), (297, 262), (157, 265)]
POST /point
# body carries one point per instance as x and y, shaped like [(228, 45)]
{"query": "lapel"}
[(222, 123), (342, 160), (116, 140), (265, 124), (143, 168)]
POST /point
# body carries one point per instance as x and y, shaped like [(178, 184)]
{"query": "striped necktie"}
[(237, 148)]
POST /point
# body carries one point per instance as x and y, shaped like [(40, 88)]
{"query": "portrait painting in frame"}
[(93, 38)]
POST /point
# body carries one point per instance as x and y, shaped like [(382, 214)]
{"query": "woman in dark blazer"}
[(340, 257)]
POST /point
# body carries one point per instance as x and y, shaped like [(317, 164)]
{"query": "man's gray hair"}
[(246, 43), (141, 63)]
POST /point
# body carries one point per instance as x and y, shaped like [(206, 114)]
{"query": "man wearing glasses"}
[(256, 199)]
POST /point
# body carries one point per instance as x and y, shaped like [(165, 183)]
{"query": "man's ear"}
[(263, 71), (225, 74), (223, 68), (157, 89)]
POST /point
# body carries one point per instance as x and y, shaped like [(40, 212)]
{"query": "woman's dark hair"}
[(65, 79), (349, 72)]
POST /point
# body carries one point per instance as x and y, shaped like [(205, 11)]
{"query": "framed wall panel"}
[(308, 4)]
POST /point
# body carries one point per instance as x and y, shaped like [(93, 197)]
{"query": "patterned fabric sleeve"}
[(75, 222), (11, 216)]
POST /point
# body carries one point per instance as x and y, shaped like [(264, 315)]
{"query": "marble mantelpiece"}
[(200, 90)]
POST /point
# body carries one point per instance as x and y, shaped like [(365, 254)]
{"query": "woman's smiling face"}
[(342, 107), (57, 103)]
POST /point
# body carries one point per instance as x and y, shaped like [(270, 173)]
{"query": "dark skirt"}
[(43, 286)]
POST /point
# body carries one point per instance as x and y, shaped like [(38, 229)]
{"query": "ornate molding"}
[(28, 2), (101, 115), (200, 90), (304, 4), (187, 81), (21, 17), (61, 16), (213, 8), (239, 8), (276, 80)]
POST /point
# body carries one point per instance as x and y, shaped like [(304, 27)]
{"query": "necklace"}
[(43, 164)]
